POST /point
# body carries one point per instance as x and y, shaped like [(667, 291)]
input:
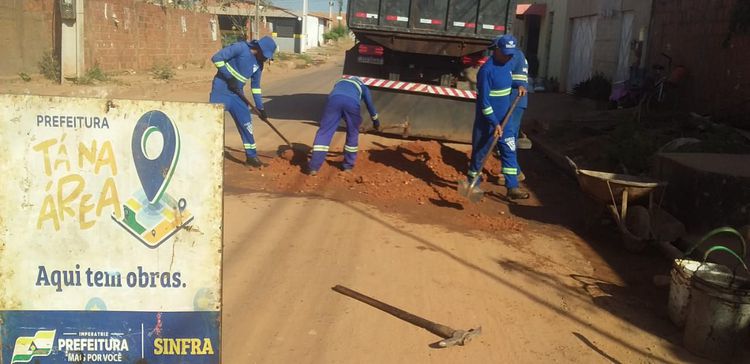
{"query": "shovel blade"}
[(472, 194)]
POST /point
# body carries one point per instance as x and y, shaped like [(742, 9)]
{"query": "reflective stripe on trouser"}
[(514, 126), (507, 146), (337, 107), (481, 137), (242, 119)]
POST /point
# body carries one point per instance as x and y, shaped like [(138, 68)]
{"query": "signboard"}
[(110, 231)]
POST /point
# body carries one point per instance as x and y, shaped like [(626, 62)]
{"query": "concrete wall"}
[(128, 34), (26, 31), (554, 38), (692, 32)]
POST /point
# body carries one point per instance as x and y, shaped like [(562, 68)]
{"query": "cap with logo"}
[(506, 43)]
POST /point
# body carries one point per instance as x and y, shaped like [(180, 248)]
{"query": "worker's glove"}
[(262, 114)]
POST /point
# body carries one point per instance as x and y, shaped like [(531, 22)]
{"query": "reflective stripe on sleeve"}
[(520, 77), (255, 91), (487, 110), (219, 64)]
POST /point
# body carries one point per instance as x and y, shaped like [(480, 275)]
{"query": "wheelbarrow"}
[(638, 224)]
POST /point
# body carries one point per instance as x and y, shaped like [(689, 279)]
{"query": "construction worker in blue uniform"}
[(494, 84), (236, 64), (343, 102), (520, 77)]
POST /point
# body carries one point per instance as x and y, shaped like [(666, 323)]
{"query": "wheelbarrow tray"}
[(604, 186)]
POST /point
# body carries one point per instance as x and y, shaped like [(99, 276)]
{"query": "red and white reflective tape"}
[(417, 87), (396, 18)]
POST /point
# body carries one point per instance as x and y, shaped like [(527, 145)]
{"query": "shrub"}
[(49, 67), (162, 71), (597, 87)]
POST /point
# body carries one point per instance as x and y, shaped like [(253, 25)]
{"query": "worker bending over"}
[(343, 102), (236, 64)]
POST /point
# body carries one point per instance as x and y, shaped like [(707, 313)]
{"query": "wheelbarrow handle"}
[(494, 142)]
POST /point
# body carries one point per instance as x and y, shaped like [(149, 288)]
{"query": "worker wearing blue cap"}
[(520, 76), (494, 84), (236, 64)]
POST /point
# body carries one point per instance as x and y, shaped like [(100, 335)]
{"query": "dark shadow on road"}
[(303, 107), (595, 348), (505, 282)]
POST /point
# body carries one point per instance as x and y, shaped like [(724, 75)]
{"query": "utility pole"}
[(330, 14), (303, 39), (256, 33)]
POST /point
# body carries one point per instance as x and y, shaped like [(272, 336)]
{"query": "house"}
[(570, 41), (237, 20)]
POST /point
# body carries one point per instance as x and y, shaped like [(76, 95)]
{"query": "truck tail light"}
[(370, 50), (473, 60)]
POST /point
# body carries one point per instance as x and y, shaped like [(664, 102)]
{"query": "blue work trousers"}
[(242, 118), (337, 107)]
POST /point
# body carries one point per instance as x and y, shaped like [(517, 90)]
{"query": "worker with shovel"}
[(343, 102), (236, 64), (494, 83), (520, 76)]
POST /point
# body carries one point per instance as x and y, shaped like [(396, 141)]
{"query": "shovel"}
[(246, 101), (470, 190)]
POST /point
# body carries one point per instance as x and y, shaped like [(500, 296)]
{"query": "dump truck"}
[(420, 59)]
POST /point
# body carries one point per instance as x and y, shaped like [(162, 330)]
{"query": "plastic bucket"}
[(718, 319), (679, 289)]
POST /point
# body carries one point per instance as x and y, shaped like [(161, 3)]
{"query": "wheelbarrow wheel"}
[(636, 229)]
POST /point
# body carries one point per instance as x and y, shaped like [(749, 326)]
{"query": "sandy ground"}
[(541, 289)]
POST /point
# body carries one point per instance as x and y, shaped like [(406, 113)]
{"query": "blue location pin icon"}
[(155, 169)]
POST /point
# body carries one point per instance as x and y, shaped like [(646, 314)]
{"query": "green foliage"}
[(282, 56), (231, 38), (597, 87), (49, 67), (336, 33), (24, 76), (162, 71), (93, 75)]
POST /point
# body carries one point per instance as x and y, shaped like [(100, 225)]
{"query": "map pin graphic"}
[(155, 171)]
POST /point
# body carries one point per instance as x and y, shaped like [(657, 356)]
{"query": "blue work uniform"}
[(235, 65), (507, 146), (343, 102), (493, 100)]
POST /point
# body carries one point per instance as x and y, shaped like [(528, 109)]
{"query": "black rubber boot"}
[(517, 194), (254, 162)]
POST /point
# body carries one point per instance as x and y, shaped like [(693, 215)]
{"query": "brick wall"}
[(129, 34), (692, 32), (27, 30)]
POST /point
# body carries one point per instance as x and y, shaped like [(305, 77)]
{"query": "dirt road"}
[(541, 290)]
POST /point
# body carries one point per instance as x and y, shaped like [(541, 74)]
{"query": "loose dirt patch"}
[(416, 179)]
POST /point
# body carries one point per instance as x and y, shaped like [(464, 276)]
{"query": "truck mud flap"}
[(433, 117)]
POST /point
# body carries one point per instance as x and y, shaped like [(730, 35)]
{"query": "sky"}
[(313, 5)]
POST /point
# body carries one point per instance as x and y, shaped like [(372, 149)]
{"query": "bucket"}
[(682, 273), (679, 289), (718, 319)]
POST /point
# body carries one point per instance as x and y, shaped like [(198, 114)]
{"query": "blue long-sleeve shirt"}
[(356, 90), (494, 83), (237, 64), (520, 76)]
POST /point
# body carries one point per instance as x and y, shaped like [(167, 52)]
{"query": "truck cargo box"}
[(476, 19)]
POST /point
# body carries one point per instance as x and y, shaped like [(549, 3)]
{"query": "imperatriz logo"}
[(28, 347)]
